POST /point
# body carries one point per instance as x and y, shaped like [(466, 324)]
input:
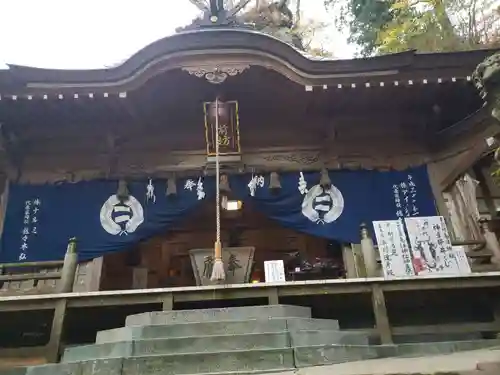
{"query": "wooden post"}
[(496, 317), (68, 271), (54, 345), (4, 198), (359, 263), (349, 262), (273, 297), (368, 251), (167, 303), (381, 319)]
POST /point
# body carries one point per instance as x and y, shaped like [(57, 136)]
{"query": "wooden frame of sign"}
[(232, 129)]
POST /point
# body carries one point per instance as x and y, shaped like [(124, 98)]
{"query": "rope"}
[(217, 171)]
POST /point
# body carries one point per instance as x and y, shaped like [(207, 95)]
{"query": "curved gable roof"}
[(235, 45)]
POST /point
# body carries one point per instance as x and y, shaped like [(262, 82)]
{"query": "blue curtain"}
[(337, 213), (40, 219)]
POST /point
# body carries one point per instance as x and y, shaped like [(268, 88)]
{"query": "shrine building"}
[(312, 152)]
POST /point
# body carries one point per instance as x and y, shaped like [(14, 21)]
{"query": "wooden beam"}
[(31, 276), (261, 290)]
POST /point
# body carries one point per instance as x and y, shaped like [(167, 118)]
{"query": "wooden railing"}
[(44, 277)]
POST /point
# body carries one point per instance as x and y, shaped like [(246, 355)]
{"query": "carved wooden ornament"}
[(216, 74)]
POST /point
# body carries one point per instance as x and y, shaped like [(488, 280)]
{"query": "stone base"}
[(251, 340)]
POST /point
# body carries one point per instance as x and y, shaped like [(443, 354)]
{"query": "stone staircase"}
[(240, 340)]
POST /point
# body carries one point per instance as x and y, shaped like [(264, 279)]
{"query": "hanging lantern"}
[(122, 193), (224, 184), (324, 180), (274, 182), (171, 187), (223, 112)]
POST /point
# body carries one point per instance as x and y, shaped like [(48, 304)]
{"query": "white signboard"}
[(462, 260), (393, 248), (431, 247), (274, 271)]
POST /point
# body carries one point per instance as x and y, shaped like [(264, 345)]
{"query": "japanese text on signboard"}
[(227, 134), (393, 248)]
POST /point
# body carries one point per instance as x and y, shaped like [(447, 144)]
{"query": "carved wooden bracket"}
[(216, 74)]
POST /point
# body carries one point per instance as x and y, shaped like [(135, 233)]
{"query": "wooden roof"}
[(236, 46)]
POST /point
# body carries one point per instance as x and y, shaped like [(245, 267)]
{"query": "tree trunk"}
[(297, 13), (452, 41)]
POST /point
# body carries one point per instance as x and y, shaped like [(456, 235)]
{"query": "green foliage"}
[(278, 20), (388, 26), (364, 19)]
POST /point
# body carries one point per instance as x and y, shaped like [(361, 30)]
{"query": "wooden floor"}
[(386, 307)]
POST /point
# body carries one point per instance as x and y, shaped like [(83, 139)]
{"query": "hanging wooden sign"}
[(229, 130)]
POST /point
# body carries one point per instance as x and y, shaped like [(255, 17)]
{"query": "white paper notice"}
[(432, 252), (393, 247), (462, 260), (274, 271)]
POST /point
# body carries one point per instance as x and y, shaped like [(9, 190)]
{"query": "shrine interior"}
[(164, 260)]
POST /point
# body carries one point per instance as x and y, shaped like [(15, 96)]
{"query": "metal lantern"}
[(274, 182), (122, 193), (171, 187), (223, 112)]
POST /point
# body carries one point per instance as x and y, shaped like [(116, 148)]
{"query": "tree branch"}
[(238, 7), (200, 4)]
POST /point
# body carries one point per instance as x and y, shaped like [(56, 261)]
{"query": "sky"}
[(91, 34)]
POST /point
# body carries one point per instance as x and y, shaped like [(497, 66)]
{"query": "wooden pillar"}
[(381, 318), (487, 196), (4, 199), (368, 250), (95, 275), (349, 262), (496, 316), (359, 262), (435, 180), (167, 302), (56, 333), (273, 297)]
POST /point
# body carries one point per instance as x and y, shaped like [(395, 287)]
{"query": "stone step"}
[(247, 360), (327, 337), (181, 345), (315, 355), (307, 356), (435, 348), (228, 342), (256, 361), (212, 315), (105, 368), (235, 327)]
